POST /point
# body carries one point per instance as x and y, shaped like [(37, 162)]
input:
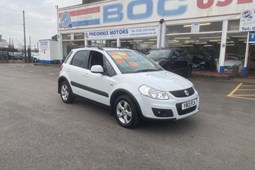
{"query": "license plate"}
[(189, 104)]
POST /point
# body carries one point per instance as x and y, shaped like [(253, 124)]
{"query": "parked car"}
[(173, 59), (202, 61), (232, 60), (18, 56), (131, 84), (35, 57)]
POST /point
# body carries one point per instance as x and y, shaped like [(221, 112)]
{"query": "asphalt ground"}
[(39, 131)]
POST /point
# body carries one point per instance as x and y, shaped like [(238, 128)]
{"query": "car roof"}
[(101, 49)]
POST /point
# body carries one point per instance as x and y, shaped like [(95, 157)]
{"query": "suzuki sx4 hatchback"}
[(132, 85)]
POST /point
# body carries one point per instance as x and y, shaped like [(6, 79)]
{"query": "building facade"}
[(214, 32)]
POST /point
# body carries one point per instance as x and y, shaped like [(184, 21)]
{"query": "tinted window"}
[(175, 54), (80, 59), (96, 58), (183, 53), (159, 54)]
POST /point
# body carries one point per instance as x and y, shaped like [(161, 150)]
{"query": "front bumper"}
[(148, 107)]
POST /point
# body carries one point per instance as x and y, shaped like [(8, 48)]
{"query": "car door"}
[(99, 86), (174, 62), (77, 71), (180, 62)]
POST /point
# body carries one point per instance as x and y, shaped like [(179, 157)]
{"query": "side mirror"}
[(97, 69)]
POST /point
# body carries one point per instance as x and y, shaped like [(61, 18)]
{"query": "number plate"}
[(189, 104)]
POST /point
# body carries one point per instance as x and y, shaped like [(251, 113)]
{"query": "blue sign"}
[(252, 37), (116, 12), (65, 20)]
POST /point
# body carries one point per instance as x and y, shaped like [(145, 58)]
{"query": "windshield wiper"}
[(145, 70)]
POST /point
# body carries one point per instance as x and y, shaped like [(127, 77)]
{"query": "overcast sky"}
[(41, 18)]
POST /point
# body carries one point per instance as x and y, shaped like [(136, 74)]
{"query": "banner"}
[(122, 33), (115, 13)]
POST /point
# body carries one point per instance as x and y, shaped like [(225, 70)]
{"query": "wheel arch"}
[(60, 80), (120, 92)]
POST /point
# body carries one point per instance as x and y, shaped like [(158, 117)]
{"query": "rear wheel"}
[(126, 112), (66, 92)]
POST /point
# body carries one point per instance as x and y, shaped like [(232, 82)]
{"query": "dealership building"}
[(216, 32)]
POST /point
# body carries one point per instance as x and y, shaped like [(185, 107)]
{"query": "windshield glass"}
[(129, 61), (159, 54)]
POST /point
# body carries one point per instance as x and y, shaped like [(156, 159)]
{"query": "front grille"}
[(183, 93), (184, 112)]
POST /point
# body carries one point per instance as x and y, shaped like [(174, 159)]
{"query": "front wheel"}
[(126, 112), (66, 93)]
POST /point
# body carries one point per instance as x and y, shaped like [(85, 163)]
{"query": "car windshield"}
[(129, 61), (159, 54)]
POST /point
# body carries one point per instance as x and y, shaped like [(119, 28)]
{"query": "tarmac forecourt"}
[(243, 91)]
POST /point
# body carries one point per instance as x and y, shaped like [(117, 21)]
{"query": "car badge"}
[(186, 92)]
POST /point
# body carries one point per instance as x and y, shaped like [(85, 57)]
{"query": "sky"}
[(41, 19)]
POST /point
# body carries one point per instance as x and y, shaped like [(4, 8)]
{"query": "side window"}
[(175, 55), (108, 69), (183, 53), (96, 58), (80, 59)]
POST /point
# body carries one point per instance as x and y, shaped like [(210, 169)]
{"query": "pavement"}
[(39, 131)]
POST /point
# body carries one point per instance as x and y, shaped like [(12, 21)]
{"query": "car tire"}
[(126, 112), (66, 93)]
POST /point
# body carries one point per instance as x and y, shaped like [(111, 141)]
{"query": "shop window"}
[(66, 36), (211, 26), (233, 25), (178, 29), (103, 43), (143, 45), (204, 49), (79, 36)]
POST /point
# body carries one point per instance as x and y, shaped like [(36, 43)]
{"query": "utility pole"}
[(25, 42)]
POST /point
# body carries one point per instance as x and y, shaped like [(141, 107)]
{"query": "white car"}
[(232, 60), (132, 85)]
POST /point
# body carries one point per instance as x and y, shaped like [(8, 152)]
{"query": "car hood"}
[(162, 80), (232, 62)]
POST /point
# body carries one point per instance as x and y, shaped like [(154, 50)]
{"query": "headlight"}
[(153, 93)]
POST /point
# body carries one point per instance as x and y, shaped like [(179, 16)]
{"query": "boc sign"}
[(120, 12)]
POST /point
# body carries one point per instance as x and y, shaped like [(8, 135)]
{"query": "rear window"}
[(159, 54)]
